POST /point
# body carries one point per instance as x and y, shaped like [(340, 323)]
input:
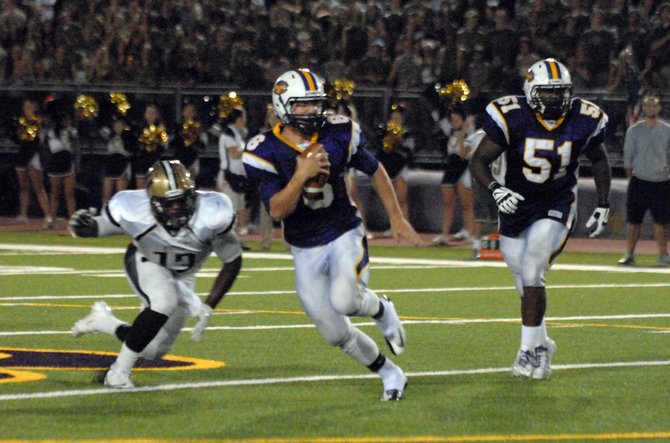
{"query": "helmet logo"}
[(530, 76), (280, 87)]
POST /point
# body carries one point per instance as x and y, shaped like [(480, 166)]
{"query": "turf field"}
[(263, 373)]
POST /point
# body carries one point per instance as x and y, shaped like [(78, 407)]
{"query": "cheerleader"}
[(117, 160), (61, 137), (151, 141), (28, 165)]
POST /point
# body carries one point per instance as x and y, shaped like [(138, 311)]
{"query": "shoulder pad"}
[(215, 210), (132, 206)]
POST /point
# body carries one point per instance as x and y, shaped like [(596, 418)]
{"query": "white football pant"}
[(331, 282)]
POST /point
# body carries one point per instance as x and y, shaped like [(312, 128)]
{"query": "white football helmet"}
[(548, 88), (172, 194), (299, 85)]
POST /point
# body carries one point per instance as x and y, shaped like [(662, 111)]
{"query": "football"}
[(314, 186)]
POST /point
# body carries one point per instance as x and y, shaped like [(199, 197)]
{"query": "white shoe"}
[(391, 327), (91, 322), (525, 364), (395, 384), (118, 378), (543, 353), (440, 240), (535, 364), (48, 222)]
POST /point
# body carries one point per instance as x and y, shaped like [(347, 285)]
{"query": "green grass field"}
[(263, 373)]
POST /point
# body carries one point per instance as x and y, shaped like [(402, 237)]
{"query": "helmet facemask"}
[(172, 195), (307, 124), (551, 102)]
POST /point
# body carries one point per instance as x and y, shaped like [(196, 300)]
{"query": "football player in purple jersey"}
[(321, 224), (542, 135)]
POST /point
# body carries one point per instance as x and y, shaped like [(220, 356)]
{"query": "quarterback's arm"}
[(284, 202), (601, 172), (400, 226)]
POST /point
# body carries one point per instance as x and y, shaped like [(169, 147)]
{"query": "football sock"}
[(127, 358), (531, 337)]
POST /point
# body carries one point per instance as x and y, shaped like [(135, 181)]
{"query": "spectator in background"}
[(28, 167), (502, 40), (659, 48), (233, 181), (646, 160), (404, 73), (600, 47)]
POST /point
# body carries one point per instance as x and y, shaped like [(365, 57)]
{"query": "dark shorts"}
[(25, 155), (643, 195), (116, 166), (60, 164)]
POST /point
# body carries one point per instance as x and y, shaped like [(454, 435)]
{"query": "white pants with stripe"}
[(331, 282)]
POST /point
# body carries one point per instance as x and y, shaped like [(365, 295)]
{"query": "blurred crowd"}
[(616, 45)]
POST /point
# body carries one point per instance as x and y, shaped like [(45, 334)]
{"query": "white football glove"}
[(506, 199), (599, 218), (204, 316), (82, 223)]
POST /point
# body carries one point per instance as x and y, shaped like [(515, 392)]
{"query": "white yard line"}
[(304, 379), (30, 249), (406, 321)]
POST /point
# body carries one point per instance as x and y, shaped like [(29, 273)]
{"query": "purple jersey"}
[(542, 156), (270, 159)]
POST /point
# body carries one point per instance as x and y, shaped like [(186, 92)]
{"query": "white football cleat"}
[(118, 378), (525, 364), (395, 384), (90, 323), (391, 327), (543, 353)]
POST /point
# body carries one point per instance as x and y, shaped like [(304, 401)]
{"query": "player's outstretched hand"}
[(598, 220), (83, 224), (403, 231), (204, 316)]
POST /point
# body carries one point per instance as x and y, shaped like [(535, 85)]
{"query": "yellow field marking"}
[(407, 439), (116, 308), (20, 376), (196, 363)]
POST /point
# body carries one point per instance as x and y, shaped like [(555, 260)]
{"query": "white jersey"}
[(209, 229)]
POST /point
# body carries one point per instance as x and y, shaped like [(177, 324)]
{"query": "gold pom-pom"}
[(228, 102), (85, 107), (393, 136), (152, 136), (456, 92), (28, 128), (190, 131), (121, 103), (342, 89)]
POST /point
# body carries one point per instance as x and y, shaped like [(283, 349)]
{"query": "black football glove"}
[(82, 223)]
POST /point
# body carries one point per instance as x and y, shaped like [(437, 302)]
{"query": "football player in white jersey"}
[(174, 229), (542, 135), (300, 165)]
